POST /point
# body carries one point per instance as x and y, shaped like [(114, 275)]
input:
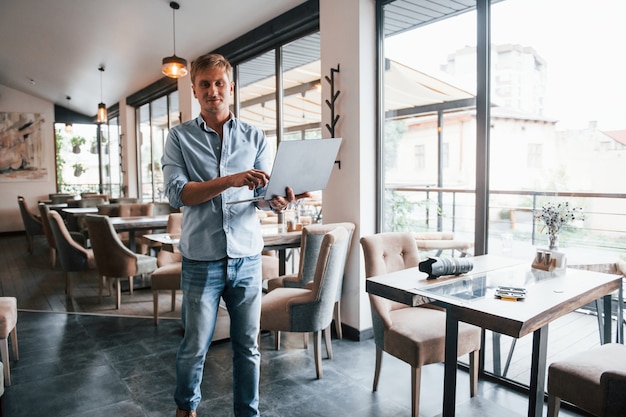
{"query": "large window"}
[(553, 130), (86, 164), (554, 120), (155, 120)]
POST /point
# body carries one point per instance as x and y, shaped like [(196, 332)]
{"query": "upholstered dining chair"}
[(132, 210), (113, 259), (32, 223), (310, 310), (415, 335), (594, 380), (45, 224), (312, 236), (73, 257), (169, 268)]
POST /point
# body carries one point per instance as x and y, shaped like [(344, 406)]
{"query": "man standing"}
[(209, 161)]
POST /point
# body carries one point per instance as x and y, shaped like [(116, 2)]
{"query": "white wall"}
[(351, 193), (33, 190)]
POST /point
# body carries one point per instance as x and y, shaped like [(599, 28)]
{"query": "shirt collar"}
[(202, 124)]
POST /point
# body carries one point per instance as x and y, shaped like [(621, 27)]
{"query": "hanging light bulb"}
[(174, 66), (102, 108), (69, 129)]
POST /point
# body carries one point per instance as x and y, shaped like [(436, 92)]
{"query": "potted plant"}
[(554, 216), (76, 142), (78, 169)]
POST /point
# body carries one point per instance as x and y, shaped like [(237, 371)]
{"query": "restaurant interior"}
[(88, 94)]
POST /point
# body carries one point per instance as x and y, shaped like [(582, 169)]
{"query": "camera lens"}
[(436, 267)]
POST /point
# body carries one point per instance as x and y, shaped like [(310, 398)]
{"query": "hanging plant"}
[(77, 142), (78, 169), (94, 147)]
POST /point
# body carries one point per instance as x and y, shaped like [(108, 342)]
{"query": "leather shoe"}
[(185, 413)]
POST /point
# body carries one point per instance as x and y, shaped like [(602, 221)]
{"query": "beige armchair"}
[(167, 275), (45, 224), (310, 310), (132, 210), (32, 223), (114, 260), (594, 380), (415, 335), (312, 236), (73, 257)]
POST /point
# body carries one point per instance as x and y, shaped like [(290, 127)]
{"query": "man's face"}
[(213, 90)]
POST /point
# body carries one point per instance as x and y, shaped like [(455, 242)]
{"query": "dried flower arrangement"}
[(554, 216)]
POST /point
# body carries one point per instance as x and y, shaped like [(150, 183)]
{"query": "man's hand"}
[(252, 179), (279, 203)]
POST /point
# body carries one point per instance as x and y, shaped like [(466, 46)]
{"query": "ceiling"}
[(52, 49)]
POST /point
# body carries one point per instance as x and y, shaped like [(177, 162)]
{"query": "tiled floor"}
[(85, 365), (79, 357)]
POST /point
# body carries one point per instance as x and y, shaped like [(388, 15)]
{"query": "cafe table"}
[(273, 238), (133, 224), (471, 299)]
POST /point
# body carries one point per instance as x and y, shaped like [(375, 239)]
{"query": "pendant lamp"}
[(69, 129), (102, 108), (174, 66)]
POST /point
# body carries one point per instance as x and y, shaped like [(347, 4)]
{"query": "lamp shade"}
[(174, 66), (102, 113)]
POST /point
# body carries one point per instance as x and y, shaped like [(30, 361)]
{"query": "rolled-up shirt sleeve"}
[(174, 171)]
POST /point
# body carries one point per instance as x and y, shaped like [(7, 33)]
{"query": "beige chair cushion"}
[(8, 315), (415, 336), (577, 379), (167, 277)]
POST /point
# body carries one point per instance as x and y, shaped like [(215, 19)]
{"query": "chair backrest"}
[(316, 313), (90, 201), (136, 209), (32, 225), (174, 227), (45, 224), (57, 198), (71, 255), (312, 237), (385, 253), (112, 257), (111, 210)]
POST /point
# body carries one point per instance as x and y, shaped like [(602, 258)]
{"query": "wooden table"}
[(470, 298), (273, 239), (135, 223)]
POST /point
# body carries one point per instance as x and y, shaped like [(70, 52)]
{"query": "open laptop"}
[(303, 165)]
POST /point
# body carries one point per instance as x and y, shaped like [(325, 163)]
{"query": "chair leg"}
[(173, 300), (29, 241), (327, 340), (379, 361), (101, 288), (4, 356), (473, 372), (16, 350), (554, 405), (118, 293), (317, 337), (130, 285), (68, 284), (155, 306), (305, 340), (277, 340), (338, 320), (53, 257), (416, 376)]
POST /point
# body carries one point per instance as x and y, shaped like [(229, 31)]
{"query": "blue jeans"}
[(238, 282)]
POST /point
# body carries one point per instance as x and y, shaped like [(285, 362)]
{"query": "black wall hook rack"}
[(331, 104)]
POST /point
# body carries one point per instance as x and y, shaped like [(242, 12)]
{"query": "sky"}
[(583, 43)]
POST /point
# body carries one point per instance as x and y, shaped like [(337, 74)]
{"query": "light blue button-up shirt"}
[(195, 152)]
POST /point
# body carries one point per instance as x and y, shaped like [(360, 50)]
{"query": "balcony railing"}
[(513, 227)]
